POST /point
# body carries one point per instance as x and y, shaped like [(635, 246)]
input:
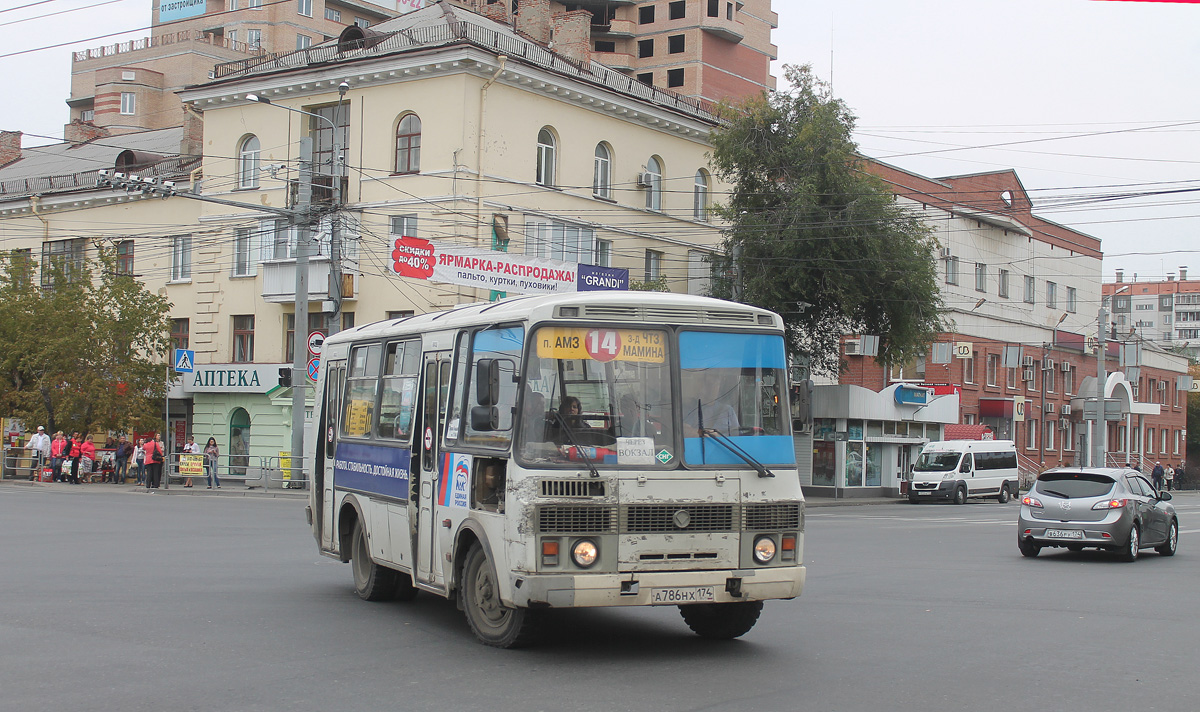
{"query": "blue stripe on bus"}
[(767, 449), (703, 349), (372, 468)]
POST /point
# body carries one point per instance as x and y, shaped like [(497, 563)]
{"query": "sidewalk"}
[(230, 490)]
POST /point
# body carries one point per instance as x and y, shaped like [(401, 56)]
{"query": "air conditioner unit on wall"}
[(1049, 408), (1048, 365), (1027, 375), (853, 347), (1027, 361), (1065, 365), (645, 180), (1066, 409), (1064, 423), (945, 252)]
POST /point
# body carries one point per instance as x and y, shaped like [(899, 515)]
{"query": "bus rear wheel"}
[(492, 622), (372, 582), (721, 621)]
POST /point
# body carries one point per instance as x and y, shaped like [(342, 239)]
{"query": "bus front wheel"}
[(492, 622), (372, 582), (721, 621)]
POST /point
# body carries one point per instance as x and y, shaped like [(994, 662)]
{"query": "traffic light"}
[(285, 377)]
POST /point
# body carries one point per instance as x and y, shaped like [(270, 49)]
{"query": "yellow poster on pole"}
[(285, 464)]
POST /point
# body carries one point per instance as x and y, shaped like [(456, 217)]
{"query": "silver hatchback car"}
[(1104, 508)]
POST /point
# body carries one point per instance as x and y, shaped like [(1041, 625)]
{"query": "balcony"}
[(614, 29), (616, 60), (726, 29), (279, 281)]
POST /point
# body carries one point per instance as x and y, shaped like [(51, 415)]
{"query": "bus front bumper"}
[(659, 588)]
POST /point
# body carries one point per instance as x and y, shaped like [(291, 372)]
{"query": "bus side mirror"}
[(485, 418), (487, 382)]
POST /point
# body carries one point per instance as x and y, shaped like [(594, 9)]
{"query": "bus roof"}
[(608, 306)]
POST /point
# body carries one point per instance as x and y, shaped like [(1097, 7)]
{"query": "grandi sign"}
[(232, 378)]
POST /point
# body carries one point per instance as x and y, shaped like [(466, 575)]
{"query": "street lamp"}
[(304, 204)]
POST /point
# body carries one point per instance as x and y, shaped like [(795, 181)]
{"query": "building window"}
[(645, 48), (951, 270), (408, 144), (1051, 295), (304, 7), (1049, 435), (645, 14), (654, 174), (400, 314), (1030, 286), (1031, 428), (969, 369), (316, 322), (125, 258), (333, 15), (700, 196), (604, 253), (180, 333), (674, 78), (993, 369), (675, 44), (128, 103), (546, 148), (347, 320), (1068, 435), (362, 22), (248, 156), (1002, 284), (181, 258), (87, 115), (243, 338), (231, 35), (714, 8), (646, 78), (64, 255), (404, 225), (1048, 379), (254, 4), (653, 265), (1069, 381), (243, 244), (1072, 299), (254, 39), (560, 241), (603, 46), (1012, 378), (980, 277), (303, 42), (677, 9), (602, 172)]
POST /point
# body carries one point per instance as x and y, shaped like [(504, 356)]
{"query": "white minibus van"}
[(957, 469)]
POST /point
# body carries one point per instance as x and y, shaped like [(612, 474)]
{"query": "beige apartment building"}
[(446, 139)]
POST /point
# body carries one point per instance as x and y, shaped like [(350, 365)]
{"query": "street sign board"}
[(185, 360), (1112, 409), (314, 367), (315, 341)]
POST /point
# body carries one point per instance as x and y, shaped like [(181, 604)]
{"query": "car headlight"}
[(764, 549), (584, 553)]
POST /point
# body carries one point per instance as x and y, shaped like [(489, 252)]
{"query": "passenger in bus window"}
[(489, 488), (705, 393)]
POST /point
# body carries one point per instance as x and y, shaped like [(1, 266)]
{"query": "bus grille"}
[(572, 488), (646, 518), (771, 517), (577, 518)]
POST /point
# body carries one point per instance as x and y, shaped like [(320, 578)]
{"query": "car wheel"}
[(721, 621), (1130, 552), (492, 622), (1168, 547), (1029, 548), (960, 495), (1002, 498)]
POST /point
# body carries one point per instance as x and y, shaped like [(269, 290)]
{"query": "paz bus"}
[(558, 451)]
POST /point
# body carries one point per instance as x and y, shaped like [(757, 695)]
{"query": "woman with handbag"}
[(139, 461), (154, 463), (87, 457), (211, 455)]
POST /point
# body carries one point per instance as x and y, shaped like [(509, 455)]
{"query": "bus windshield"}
[(937, 461), (590, 394)]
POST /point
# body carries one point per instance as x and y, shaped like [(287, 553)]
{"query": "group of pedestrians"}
[(70, 458), (211, 454), (73, 459), (1164, 476)]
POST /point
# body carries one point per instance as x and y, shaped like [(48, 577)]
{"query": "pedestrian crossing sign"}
[(185, 360)]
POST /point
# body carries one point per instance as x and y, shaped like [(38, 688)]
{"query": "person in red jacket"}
[(154, 462), (87, 457), (58, 453), (74, 454)]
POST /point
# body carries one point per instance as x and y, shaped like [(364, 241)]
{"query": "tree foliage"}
[(815, 238), (84, 352)]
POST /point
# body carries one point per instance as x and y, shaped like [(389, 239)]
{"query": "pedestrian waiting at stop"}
[(211, 455), (1157, 475), (1168, 476), (155, 456), (73, 456), (139, 462), (192, 448), (124, 452), (87, 458), (58, 454), (39, 447)]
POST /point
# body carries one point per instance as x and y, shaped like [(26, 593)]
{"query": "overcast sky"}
[(1102, 97)]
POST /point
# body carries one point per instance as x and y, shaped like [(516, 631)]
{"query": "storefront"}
[(862, 442)]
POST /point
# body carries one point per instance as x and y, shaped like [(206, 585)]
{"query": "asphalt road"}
[(111, 600)]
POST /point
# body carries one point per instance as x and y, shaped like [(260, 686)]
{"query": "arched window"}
[(546, 149), (653, 182), (248, 154), (239, 442), (602, 172), (408, 145), (700, 196)]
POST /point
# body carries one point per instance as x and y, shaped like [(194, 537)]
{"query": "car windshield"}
[(937, 461), (1073, 485)]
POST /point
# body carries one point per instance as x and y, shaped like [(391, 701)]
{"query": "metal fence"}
[(267, 472)]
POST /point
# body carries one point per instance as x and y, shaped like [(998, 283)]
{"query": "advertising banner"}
[(172, 10), (191, 465), (501, 271)]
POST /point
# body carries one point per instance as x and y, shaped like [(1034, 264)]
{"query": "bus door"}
[(435, 392), (335, 384)]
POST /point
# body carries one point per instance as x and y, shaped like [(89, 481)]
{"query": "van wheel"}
[(721, 621), (372, 582), (960, 495), (492, 622), (1002, 498)]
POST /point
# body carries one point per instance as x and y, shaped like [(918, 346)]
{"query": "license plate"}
[(683, 594), (1064, 533), (919, 493)]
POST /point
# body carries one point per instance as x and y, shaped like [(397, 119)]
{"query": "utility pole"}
[(338, 169), (1099, 435), (299, 364)]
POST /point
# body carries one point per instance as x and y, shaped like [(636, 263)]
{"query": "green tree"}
[(83, 348), (814, 237)]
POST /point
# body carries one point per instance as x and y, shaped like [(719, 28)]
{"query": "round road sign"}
[(315, 341), (314, 365)]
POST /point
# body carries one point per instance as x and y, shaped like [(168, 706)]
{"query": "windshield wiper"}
[(1055, 493), (562, 423), (731, 446)]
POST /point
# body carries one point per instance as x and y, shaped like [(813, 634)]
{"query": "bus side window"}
[(489, 484)]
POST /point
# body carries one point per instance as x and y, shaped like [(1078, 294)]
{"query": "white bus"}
[(591, 449)]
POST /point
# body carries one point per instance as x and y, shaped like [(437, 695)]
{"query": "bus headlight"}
[(764, 549), (584, 553)]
